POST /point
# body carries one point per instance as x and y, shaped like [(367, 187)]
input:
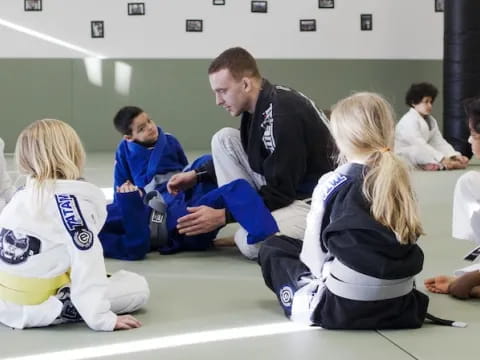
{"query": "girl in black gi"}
[(355, 267)]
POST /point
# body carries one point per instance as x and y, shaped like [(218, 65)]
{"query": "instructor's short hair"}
[(472, 108), (238, 61), (124, 118), (418, 91)]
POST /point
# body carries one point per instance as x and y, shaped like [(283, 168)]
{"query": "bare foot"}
[(224, 242), (430, 167), (439, 284)]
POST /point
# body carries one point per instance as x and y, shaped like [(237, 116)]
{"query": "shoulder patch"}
[(333, 184), (73, 221)]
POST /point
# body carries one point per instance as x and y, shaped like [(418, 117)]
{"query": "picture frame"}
[(366, 22), (97, 28), (32, 5), (308, 25), (194, 25), (326, 4), (136, 9), (439, 5), (218, 2), (259, 6)]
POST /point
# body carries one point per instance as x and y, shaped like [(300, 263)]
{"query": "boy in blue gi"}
[(145, 160)]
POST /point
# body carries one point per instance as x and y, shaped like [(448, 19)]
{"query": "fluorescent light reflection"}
[(93, 68), (164, 342), (49, 39), (123, 76)]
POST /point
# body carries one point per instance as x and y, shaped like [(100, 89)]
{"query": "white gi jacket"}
[(60, 235), (420, 143), (6, 188)]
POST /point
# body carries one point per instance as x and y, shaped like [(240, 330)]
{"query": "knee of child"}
[(129, 292)]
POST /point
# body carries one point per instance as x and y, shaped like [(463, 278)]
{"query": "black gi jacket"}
[(287, 142)]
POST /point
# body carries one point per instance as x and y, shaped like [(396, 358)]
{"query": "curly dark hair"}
[(418, 91)]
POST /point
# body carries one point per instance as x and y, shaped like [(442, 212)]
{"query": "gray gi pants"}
[(231, 163)]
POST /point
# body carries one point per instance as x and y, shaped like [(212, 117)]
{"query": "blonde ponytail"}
[(363, 126)]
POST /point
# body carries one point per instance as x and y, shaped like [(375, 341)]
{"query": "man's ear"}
[(128, 137), (247, 83)]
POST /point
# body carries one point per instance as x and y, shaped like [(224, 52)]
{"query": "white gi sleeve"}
[(88, 274), (312, 254)]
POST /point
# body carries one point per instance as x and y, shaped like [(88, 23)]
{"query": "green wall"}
[(176, 93)]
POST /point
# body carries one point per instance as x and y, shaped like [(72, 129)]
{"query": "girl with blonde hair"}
[(356, 266), (52, 269)]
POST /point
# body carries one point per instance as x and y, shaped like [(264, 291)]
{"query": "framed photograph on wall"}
[(366, 22), (259, 7), (326, 4), (439, 5), (308, 25), (97, 29), (33, 5), (218, 2), (136, 9), (194, 25)]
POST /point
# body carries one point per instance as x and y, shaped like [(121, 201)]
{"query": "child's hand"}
[(127, 187), (127, 322), (181, 181)]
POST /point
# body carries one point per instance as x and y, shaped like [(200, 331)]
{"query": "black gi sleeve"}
[(285, 167), (206, 172)]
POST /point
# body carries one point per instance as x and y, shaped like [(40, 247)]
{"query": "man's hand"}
[(126, 322), (462, 159), (181, 181), (201, 220), (127, 187)]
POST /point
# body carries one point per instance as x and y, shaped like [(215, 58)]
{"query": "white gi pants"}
[(231, 163), (466, 207), (126, 292)]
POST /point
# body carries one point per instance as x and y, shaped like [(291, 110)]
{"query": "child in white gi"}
[(466, 217), (51, 264), (417, 137)]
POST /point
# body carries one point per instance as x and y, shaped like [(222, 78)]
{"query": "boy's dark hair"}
[(418, 91), (124, 118), (472, 108), (238, 61)]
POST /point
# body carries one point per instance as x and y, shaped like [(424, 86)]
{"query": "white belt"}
[(350, 284)]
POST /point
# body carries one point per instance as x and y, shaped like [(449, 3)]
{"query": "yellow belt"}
[(29, 291)]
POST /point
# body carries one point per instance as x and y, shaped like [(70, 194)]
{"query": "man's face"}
[(424, 107), (230, 94), (474, 140), (144, 130)]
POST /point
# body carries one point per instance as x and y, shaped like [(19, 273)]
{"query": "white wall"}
[(402, 29)]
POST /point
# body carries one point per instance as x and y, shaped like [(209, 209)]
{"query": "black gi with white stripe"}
[(288, 142), (350, 234)]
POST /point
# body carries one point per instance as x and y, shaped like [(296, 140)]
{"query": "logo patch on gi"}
[(267, 126), (332, 184), (286, 296), (15, 248), (73, 220)]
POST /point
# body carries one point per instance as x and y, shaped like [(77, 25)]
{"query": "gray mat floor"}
[(214, 305)]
